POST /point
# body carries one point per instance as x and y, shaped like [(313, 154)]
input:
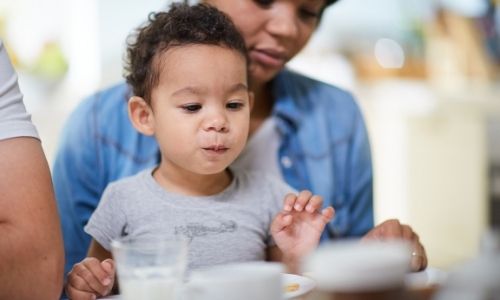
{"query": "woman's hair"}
[(181, 25), (327, 3)]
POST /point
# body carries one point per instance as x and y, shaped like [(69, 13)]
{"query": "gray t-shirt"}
[(14, 120), (232, 226)]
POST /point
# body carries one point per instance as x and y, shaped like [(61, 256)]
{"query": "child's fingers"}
[(92, 284), (75, 294), (314, 203), (328, 214), (281, 221), (109, 266), (289, 202), (97, 278), (77, 282), (302, 200), (94, 265)]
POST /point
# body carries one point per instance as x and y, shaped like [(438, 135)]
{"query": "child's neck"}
[(192, 184)]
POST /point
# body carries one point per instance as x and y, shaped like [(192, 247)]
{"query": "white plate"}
[(305, 285), (417, 280), (430, 276)]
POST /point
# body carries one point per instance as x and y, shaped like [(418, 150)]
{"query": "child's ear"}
[(141, 115), (251, 99)]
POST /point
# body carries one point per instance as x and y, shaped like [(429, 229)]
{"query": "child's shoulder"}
[(129, 183)]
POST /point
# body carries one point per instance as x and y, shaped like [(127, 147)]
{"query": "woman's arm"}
[(31, 251)]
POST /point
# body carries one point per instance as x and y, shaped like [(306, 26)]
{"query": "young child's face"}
[(201, 108)]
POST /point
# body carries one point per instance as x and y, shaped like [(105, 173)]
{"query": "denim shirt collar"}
[(285, 109), (294, 113), (313, 148)]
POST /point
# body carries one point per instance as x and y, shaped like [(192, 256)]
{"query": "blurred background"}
[(425, 72)]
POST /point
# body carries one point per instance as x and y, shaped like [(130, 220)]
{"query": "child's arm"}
[(92, 277), (297, 229)]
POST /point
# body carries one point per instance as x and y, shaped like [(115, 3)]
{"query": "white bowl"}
[(350, 266)]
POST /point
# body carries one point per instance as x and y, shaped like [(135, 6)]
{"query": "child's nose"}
[(217, 123)]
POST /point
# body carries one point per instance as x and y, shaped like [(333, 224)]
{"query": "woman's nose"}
[(284, 22)]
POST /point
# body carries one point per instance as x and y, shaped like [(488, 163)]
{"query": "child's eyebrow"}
[(200, 91), (189, 90), (238, 87)]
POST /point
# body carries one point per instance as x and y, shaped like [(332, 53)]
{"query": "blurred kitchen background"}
[(425, 72)]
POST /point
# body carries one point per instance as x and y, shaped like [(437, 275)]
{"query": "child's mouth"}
[(216, 149)]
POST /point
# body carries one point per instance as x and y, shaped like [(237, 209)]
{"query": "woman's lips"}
[(268, 58)]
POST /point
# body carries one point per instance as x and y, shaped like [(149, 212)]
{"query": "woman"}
[(309, 133)]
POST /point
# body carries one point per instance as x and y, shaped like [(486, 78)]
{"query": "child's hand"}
[(90, 279), (297, 229)]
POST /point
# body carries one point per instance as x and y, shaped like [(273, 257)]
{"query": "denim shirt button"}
[(286, 162)]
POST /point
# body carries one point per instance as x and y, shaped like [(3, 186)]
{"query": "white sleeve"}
[(14, 120)]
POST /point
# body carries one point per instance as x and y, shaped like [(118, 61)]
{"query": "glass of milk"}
[(150, 269)]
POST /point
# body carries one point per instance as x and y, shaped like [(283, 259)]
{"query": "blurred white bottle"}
[(478, 279)]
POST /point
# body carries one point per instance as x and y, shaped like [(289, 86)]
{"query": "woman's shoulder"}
[(100, 108), (105, 101), (301, 81), (103, 118), (308, 92), (311, 103)]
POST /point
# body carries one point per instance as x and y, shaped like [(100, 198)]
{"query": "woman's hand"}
[(393, 229), (90, 279), (297, 229)]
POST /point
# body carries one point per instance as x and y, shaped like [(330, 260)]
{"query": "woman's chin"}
[(261, 74)]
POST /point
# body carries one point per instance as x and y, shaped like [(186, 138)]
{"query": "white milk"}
[(148, 289), (149, 284)]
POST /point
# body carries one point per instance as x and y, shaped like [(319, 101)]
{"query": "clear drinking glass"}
[(150, 269)]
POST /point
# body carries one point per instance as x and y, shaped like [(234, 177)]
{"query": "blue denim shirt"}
[(324, 148)]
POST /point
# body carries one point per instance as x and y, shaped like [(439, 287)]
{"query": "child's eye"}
[(234, 105), (191, 108)]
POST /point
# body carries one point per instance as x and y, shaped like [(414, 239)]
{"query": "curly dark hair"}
[(181, 25)]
